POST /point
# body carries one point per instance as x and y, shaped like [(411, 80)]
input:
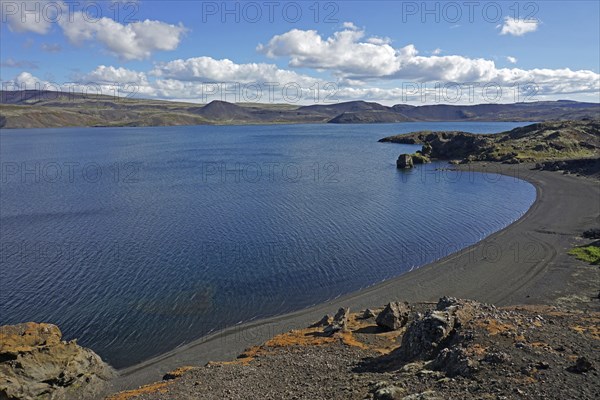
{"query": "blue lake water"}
[(136, 240)]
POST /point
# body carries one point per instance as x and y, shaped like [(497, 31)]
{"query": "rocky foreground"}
[(35, 363), (455, 349)]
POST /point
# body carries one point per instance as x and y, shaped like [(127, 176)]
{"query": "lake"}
[(136, 240)]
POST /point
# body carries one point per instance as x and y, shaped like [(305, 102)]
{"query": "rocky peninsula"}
[(542, 143)]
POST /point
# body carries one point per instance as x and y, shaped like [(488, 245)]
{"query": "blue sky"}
[(386, 51)]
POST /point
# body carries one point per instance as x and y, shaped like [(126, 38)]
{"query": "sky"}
[(306, 52)]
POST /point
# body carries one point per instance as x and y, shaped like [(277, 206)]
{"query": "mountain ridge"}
[(41, 109)]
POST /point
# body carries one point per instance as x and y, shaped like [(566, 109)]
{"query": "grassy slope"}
[(559, 140), (590, 254)]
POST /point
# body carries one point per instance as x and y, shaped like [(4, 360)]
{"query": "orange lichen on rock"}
[(159, 387), (301, 337), (26, 337), (308, 337), (495, 327), (349, 340), (590, 330), (477, 350), (177, 373)]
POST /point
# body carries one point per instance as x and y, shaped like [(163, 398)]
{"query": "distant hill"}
[(535, 111), (40, 109), (369, 117)]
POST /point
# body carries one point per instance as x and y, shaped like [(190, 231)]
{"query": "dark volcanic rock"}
[(578, 141), (438, 336), (445, 145), (593, 233), (586, 166), (385, 391), (340, 321), (581, 365), (368, 313), (404, 161), (425, 335), (322, 322), (394, 316), (456, 361)]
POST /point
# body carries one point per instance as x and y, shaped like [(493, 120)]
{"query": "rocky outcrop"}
[(457, 349), (36, 364), (385, 391), (420, 158), (593, 233), (407, 161), (438, 336), (339, 323), (404, 161), (549, 141), (444, 145), (394, 316), (322, 322), (586, 166), (425, 336), (368, 313)]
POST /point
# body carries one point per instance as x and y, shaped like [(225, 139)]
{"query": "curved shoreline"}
[(516, 265)]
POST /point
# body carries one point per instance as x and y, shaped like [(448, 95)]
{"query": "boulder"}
[(368, 313), (394, 316), (424, 336), (427, 149), (339, 323), (322, 322), (581, 366), (389, 393), (456, 361), (420, 158), (428, 335), (593, 233), (428, 395), (36, 364), (404, 161)]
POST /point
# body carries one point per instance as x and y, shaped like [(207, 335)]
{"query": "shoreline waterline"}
[(164, 248), (229, 342)]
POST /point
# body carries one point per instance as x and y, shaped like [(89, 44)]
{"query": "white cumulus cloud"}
[(518, 27), (134, 41), (208, 69), (110, 74), (30, 16), (351, 57), (341, 52), (511, 59)]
